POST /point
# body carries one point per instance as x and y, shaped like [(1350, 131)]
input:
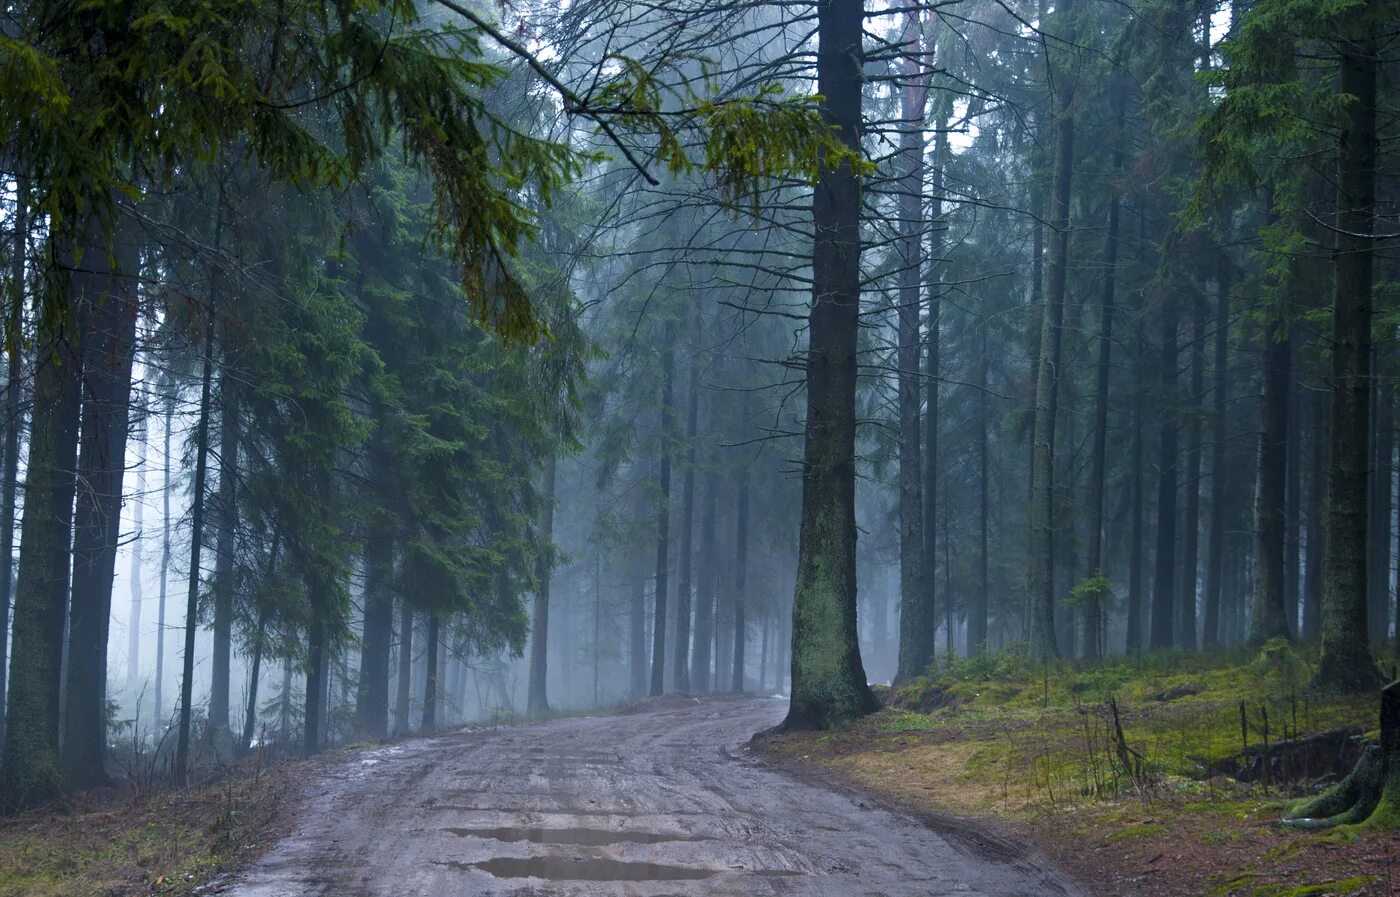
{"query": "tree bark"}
[(14, 418), (1191, 518), (681, 658), (538, 704), (916, 622), (201, 465), (1133, 643), (220, 682), (29, 766), (1317, 535), (430, 683), (372, 698), (741, 573), (1346, 662), (109, 343), (1220, 395), (705, 588), (1163, 581), (829, 687), (138, 554), (663, 512), (164, 564), (1041, 623), (404, 683)]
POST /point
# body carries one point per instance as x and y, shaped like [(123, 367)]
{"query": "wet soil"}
[(665, 800)]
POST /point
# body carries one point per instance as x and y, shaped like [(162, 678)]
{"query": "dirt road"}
[(665, 801)]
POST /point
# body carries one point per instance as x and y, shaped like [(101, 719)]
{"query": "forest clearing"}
[(831, 447)]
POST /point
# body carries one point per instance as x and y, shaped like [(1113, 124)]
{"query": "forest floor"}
[(1178, 805), (116, 843)]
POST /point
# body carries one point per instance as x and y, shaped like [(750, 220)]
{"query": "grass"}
[(109, 845), (1164, 809)]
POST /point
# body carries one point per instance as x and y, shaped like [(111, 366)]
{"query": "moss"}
[(1135, 831)]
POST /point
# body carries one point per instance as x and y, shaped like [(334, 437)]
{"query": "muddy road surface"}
[(665, 801)]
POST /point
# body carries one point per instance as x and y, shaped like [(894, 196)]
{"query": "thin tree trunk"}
[(201, 465), (1346, 661), (916, 624), (430, 684), (705, 587), (316, 670), (1191, 519), (1317, 534), (405, 676), (977, 616), (828, 679), (741, 573), (1293, 500), (164, 563), (681, 668), (14, 425), (1164, 579), (372, 699), (538, 704), (663, 512), (1220, 395), (1041, 623), (1383, 466), (220, 683), (138, 553), (250, 716), (109, 344), (1133, 643)]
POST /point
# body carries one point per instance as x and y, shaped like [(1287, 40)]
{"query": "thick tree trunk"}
[(1317, 535), (705, 588), (1164, 578), (663, 513), (220, 683), (1382, 467), (250, 714), (977, 613), (316, 664), (201, 466), (29, 766), (1220, 393), (1293, 500), (109, 343), (1346, 661), (1370, 795), (916, 622), (1041, 625), (637, 630), (829, 687), (539, 618), (681, 658)]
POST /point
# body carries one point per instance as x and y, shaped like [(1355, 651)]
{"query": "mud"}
[(665, 800)]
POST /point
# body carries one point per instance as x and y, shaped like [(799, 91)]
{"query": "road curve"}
[(664, 801)]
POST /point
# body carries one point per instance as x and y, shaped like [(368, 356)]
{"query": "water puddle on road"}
[(583, 869), (572, 837)]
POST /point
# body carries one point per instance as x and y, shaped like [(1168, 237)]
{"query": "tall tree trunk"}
[(681, 668), (316, 669), (29, 766), (1268, 617), (637, 626), (1317, 533), (1220, 396), (1292, 500), (138, 552), (404, 684), (1346, 661), (250, 715), (1383, 467), (14, 418), (1133, 644), (372, 698), (1164, 578), (539, 618), (1191, 519), (164, 563), (109, 343), (1041, 623), (220, 683), (829, 686), (430, 684), (663, 512), (1093, 609), (977, 614), (201, 465), (741, 574), (916, 623), (705, 587)]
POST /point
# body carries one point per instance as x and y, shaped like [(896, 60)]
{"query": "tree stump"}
[(1370, 794)]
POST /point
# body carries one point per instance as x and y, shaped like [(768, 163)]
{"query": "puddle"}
[(573, 837), (583, 869)]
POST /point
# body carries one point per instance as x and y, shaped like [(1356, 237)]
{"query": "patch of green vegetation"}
[(1135, 831), (907, 721), (1339, 888), (1224, 836)]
